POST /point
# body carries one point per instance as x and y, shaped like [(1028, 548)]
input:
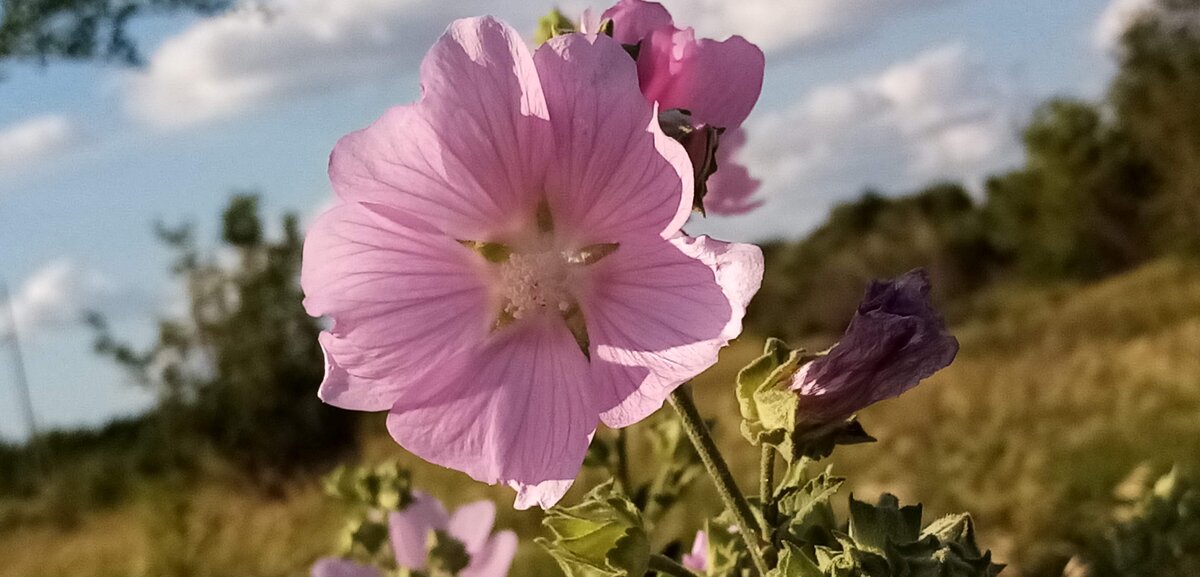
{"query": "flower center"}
[(536, 283)]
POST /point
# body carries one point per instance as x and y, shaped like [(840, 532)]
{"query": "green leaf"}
[(680, 466), (873, 527), (959, 529), (793, 562), (886, 540), (551, 25), (804, 505), (386, 486), (602, 536), (447, 555), (726, 553), (365, 536)]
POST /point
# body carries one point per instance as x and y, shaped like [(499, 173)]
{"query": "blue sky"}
[(858, 92)]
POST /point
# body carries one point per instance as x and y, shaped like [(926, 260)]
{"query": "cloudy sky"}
[(882, 93)]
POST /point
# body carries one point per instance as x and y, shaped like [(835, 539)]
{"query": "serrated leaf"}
[(873, 527), (805, 506), (603, 535), (793, 562)]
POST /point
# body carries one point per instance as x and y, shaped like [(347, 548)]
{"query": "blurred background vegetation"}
[(1073, 284)]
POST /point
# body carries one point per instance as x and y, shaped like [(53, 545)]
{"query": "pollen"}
[(536, 283)]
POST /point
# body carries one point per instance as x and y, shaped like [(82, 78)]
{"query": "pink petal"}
[(697, 560), (544, 494), (334, 567), (472, 523), (657, 315), (402, 296), (467, 156), (719, 82), (519, 410), (633, 20), (495, 558), (730, 188), (590, 23), (614, 173), (409, 529)]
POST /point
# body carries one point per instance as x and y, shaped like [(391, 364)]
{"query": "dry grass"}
[(1056, 396)]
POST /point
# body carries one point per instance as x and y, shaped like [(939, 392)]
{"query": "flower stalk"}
[(623, 461), (766, 485), (718, 470)]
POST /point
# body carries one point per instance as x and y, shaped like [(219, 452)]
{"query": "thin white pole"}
[(18, 363)]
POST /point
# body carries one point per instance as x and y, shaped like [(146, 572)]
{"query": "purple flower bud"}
[(895, 340)]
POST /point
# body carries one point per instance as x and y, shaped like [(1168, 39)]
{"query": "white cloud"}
[(940, 115), (35, 140), (58, 294), (253, 56), (1117, 18), (777, 25)]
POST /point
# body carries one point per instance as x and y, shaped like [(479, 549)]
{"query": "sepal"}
[(553, 24)]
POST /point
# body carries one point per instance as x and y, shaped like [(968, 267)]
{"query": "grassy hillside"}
[(1058, 394)]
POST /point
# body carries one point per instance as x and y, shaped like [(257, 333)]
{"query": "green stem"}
[(718, 470), (623, 462), (766, 486), (668, 566)]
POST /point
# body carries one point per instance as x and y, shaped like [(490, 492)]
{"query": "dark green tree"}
[(1155, 95), (1077, 207), (239, 371), (814, 285), (44, 30)]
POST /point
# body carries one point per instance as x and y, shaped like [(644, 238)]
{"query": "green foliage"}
[(814, 285), (447, 555), (1105, 186), (45, 30), (60, 475), (371, 492), (726, 554), (386, 487), (679, 466), (238, 372), (1154, 96), (553, 24), (1076, 209), (806, 505), (1160, 537), (886, 540), (601, 536)]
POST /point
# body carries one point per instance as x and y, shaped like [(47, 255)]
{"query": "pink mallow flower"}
[(697, 559), (717, 82), (410, 532), (895, 340), (505, 267)]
